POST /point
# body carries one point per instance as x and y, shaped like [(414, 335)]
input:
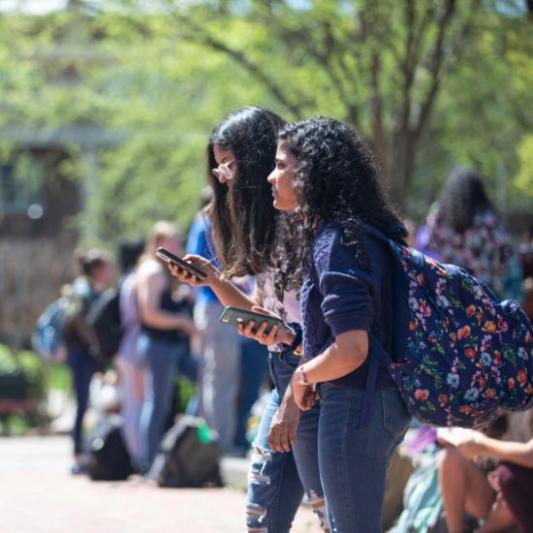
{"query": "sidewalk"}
[(37, 495)]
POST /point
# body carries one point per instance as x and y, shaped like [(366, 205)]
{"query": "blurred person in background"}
[(526, 253), (412, 229), (526, 257), (489, 478), (97, 273), (220, 345), (128, 360), (464, 229), (163, 343)]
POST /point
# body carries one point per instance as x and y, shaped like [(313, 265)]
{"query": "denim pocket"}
[(395, 415)]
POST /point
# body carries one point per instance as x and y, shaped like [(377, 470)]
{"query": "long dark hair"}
[(336, 181), (462, 197), (241, 212)]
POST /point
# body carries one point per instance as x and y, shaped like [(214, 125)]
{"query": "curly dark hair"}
[(242, 212), (462, 197), (336, 181)]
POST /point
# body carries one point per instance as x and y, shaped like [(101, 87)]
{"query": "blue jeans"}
[(162, 360), (353, 461), (254, 368), (82, 367), (277, 481)]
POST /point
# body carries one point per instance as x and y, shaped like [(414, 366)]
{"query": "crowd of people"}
[(167, 332), (281, 231)]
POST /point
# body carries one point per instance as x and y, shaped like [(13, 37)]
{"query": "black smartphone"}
[(169, 257), (235, 316)]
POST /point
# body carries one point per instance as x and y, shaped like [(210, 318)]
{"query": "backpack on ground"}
[(109, 459), (467, 356), (188, 456), (104, 320), (48, 337)]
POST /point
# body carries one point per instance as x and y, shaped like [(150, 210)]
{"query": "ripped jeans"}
[(277, 481)]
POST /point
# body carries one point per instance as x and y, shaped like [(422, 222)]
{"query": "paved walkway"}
[(37, 495)]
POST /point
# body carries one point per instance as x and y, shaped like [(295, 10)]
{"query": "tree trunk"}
[(400, 165)]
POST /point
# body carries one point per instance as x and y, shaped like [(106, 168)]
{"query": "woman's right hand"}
[(213, 274)]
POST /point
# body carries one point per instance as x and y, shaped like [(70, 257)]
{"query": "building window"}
[(21, 187)]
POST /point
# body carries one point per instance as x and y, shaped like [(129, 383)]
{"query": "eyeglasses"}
[(224, 172)]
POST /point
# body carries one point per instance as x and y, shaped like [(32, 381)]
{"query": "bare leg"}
[(464, 488), (499, 519)]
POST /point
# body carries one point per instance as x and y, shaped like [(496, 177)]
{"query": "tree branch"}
[(435, 66), (408, 66), (254, 69), (376, 109)]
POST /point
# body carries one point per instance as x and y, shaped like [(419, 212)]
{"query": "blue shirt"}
[(342, 296), (200, 242)]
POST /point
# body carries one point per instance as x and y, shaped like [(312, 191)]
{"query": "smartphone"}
[(169, 257), (235, 316)]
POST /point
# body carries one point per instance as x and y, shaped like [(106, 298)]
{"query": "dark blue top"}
[(200, 243), (342, 296), (168, 303)]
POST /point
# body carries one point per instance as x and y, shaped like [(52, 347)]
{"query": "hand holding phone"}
[(260, 325), (235, 316), (173, 259)]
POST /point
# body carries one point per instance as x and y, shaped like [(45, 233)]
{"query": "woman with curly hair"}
[(240, 156), (326, 178)]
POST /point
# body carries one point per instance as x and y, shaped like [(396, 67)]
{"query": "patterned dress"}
[(484, 249)]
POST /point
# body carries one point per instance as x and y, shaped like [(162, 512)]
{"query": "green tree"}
[(378, 65), (429, 84)]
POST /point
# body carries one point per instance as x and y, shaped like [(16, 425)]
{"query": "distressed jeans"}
[(353, 461), (277, 481)]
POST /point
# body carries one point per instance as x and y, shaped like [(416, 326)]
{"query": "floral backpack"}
[(468, 357)]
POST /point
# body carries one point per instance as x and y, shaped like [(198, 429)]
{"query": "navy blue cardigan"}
[(341, 296)]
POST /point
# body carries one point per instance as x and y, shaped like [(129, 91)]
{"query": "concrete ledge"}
[(235, 471)]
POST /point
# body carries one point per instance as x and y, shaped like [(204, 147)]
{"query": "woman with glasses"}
[(240, 156)]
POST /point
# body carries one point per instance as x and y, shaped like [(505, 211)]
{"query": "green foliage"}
[(58, 377), (14, 363), (524, 178), (186, 391), (156, 82)]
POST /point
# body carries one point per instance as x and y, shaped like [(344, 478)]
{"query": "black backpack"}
[(105, 321), (109, 459), (188, 456)]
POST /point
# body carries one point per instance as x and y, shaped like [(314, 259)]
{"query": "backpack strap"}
[(381, 359), (378, 356)]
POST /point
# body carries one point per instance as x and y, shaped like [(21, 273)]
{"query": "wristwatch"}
[(300, 377)]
